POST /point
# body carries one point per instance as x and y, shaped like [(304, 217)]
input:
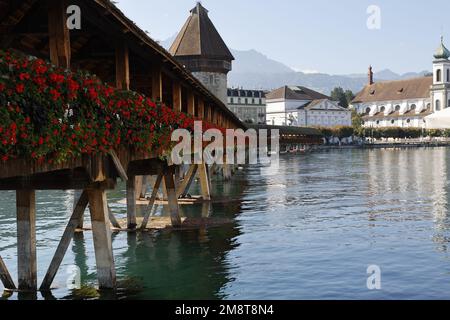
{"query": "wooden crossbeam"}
[(15, 17), (184, 187), (77, 214), (152, 201), (5, 276), (119, 167)]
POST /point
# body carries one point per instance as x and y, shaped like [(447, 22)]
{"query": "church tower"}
[(201, 49), (440, 90)]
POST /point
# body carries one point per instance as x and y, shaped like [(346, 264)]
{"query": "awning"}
[(438, 120)]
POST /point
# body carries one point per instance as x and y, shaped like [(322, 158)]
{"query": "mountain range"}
[(254, 70)]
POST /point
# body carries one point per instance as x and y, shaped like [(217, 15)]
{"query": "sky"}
[(314, 36)]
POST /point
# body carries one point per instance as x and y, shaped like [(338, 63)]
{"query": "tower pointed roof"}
[(442, 52), (199, 37)]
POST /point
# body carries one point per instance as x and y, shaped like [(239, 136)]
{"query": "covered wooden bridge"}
[(111, 46)]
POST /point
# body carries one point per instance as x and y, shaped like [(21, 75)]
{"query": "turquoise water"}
[(308, 230)]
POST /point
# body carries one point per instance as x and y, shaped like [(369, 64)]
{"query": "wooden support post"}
[(152, 201), (172, 198), (76, 198), (157, 84), (191, 103), (59, 35), (131, 203), (77, 214), (144, 187), (5, 276), (138, 186), (226, 171), (122, 67), (201, 108), (26, 239), (98, 207), (187, 182), (204, 181), (177, 98)]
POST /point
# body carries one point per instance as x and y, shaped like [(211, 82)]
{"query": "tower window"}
[(439, 75), (448, 75)]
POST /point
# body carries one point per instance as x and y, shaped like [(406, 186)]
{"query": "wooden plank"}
[(5, 276), (122, 67), (201, 108), (98, 207), (26, 240), (172, 198), (152, 201), (184, 187), (77, 214), (59, 36), (156, 84), (191, 103), (204, 181), (113, 219), (119, 167), (177, 101), (131, 202)]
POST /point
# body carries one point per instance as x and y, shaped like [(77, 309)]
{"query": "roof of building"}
[(313, 104), (199, 37), (395, 90), (442, 52), (295, 93)]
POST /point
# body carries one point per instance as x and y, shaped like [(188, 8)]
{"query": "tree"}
[(357, 120), (343, 97), (338, 94)]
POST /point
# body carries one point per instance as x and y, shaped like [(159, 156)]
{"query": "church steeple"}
[(442, 53)]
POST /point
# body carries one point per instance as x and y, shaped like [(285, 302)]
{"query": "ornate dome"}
[(442, 52)]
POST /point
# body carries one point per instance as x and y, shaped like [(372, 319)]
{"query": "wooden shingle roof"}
[(199, 37)]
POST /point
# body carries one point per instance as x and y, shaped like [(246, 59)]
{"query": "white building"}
[(406, 103), (303, 107), (248, 105)]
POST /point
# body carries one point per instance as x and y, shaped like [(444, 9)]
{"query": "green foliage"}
[(343, 97)]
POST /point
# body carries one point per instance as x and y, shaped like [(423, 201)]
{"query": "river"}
[(307, 229)]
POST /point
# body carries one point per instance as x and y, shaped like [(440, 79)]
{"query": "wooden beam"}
[(177, 99), (201, 108), (59, 35), (156, 84), (5, 276), (172, 198), (98, 207), (26, 240), (122, 67), (77, 214), (113, 219), (152, 201), (191, 103), (119, 167), (184, 187), (131, 203), (205, 184)]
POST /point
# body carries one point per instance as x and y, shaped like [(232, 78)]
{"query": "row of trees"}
[(382, 133)]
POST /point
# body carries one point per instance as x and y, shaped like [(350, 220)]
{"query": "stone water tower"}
[(201, 49)]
